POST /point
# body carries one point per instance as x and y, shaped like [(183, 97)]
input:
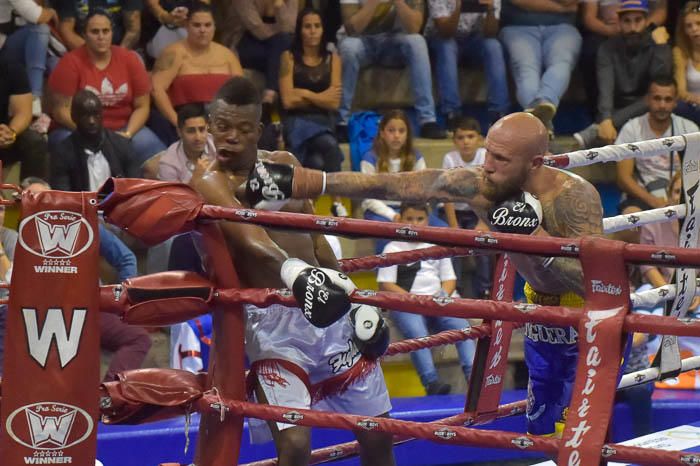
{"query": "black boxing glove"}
[(322, 294), (521, 214), (271, 185), (370, 331)]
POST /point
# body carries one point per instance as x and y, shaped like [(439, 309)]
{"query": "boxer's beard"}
[(498, 193)]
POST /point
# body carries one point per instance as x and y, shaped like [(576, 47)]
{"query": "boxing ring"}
[(50, 401)]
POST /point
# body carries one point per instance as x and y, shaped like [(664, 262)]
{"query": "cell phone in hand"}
[(473, 6)]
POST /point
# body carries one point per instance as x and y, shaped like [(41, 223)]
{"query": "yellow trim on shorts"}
[(568, 299)]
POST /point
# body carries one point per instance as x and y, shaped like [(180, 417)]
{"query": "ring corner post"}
[(219, 440), (600, 351)]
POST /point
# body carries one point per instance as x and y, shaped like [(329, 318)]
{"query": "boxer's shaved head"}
[(515, 145), (524, 132)]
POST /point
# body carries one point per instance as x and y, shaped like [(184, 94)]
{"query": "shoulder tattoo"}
[(576, 211)]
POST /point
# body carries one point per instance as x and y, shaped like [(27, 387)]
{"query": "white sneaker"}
[(587, 137), (36, 106), (339, 210)]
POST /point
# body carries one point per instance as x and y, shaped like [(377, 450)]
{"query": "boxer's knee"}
[(294, 446), (376, 448)]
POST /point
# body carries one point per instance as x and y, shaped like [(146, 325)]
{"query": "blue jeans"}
[(145, 142), (416, 326), (532, 49), (388, 50), (29, 46), (474, 49)]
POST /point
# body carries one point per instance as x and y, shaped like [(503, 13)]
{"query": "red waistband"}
[(269, 370)]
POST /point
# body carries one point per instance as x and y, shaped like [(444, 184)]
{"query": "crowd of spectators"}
[(100, 88)]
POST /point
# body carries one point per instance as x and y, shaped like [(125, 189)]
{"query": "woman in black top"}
[(310, 89)]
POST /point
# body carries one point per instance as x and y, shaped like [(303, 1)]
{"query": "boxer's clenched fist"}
[(322, 294)]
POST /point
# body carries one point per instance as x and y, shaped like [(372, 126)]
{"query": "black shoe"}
[(341, 133), (431, 130), (438, 388)]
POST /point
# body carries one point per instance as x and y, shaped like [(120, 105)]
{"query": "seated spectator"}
[(116, 75), (626, 64), (543, 45), (128, 344), (662, 235), (8, 241), (91, 154), (392, 151), (644, 181), (125, 16), (453, 35), (601, 22), (386, 33), (268, 26), (469, 152), (428, 277), (310, 91), (24, 39), (687, 68), (191, 70), (18, 142), (171, 16), (195, 149)]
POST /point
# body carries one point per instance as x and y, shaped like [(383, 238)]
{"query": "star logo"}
[(445, 433), (368, 424), (522, 442), (293, 416), (607, 451), (245, 213)]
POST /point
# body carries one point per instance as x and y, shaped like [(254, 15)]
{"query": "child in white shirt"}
[(469, 152), (428, 277)]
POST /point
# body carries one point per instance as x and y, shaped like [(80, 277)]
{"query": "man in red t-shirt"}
[(116, 75)]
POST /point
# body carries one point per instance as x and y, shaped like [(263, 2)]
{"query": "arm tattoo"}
[(456, 185), (459, 185), (574, 213)]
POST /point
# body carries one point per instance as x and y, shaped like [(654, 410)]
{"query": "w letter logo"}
[(40, 340), (61, 238), (50, 429)]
